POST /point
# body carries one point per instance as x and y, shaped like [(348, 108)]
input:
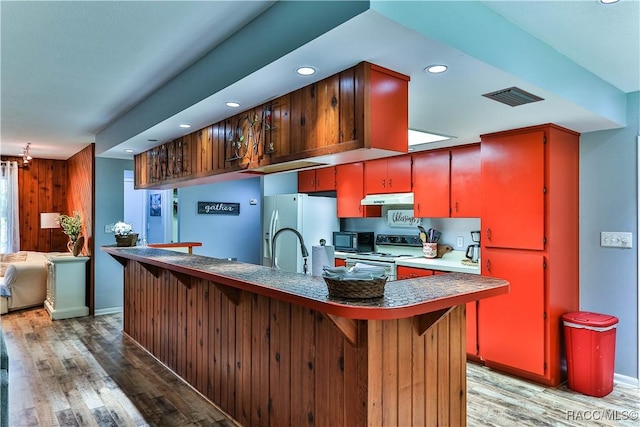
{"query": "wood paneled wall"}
[(43, 188), (81, 198), (268, 362), (60, 186)]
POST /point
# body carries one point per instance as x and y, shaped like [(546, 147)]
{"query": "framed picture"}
[(155, 204)]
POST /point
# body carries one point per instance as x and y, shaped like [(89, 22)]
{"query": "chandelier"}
[(26, 157)]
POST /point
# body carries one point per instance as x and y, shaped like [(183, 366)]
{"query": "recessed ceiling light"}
[(305, 71), (184, 125), (436, 69), (417, 137), (152, 140), (609, 1), (232, 104), (128, 150)]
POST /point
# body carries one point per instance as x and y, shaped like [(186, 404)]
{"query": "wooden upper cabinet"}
[(323, 113), (347, 105), (513, 189), (323, 179), (390, 175), (466, 194), (365, 106), (350, 192), (384, 115), (431, 184)]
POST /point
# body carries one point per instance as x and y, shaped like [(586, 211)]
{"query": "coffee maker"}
[(473, 251)]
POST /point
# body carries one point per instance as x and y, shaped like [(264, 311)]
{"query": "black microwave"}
[(354, 241)]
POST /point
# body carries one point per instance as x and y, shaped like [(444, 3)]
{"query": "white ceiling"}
[(73, 73)]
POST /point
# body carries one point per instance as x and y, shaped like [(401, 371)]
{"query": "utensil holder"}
[(430, 250)]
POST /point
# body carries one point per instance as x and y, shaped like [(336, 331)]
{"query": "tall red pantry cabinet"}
[(530, 238)]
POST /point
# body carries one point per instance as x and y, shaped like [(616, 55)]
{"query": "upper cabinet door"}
[(326, 179), (431, 184), (350, 191), (307, 181), (399, 174), (466, 193), (513, 190), (390, 175), (375, 176)]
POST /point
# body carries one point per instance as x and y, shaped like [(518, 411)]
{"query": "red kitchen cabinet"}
[(431, 184), (512, 325), (404, 272), (465, 182), (390, 175), (472, 330), (530, 202), (307, 181), (323, 179), (350, 192), (446, 183), (513, 190)]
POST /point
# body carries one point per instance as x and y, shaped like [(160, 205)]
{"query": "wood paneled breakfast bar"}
[(271, 347)]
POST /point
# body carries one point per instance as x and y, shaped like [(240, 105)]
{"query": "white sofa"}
[(25, 282)]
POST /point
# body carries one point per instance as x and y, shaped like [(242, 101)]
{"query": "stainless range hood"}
[(388, 199)]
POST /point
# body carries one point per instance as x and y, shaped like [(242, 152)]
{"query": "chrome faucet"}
[(303, 248)]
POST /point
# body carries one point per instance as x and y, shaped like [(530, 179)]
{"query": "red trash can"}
[(590, 340)]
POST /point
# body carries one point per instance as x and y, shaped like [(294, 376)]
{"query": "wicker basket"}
[(356, 289)]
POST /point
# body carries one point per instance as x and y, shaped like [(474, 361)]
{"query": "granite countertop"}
[(403, 298)]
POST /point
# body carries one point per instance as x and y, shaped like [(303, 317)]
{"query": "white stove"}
[(392, 247)]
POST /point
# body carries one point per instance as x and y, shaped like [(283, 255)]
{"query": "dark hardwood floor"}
[(84, 372)]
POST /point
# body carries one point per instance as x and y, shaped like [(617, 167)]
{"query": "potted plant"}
[(72, 227), (124, 234)]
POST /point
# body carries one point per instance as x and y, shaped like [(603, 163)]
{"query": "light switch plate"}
[(616, 239)]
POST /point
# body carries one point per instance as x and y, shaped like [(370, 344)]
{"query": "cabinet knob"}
[(488, 233), (456, 206), (488, 265)]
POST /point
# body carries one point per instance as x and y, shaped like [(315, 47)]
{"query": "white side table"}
[(66, 286)]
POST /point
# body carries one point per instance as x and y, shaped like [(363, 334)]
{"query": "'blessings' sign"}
[(402, 218), (218, 208)]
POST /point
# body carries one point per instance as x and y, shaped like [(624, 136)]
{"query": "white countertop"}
[(451, 261)]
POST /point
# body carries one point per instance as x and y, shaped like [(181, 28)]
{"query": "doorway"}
[(151, 212)]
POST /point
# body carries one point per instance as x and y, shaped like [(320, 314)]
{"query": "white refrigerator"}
[(313, 217)]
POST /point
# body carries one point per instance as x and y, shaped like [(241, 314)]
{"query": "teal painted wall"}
[(109, 209), (609, 202)]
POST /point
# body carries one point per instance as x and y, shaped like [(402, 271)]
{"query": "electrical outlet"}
[(108, 228), (616, 239), (459, 242)]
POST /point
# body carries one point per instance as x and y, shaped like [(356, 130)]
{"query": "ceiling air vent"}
[(513, 96)]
